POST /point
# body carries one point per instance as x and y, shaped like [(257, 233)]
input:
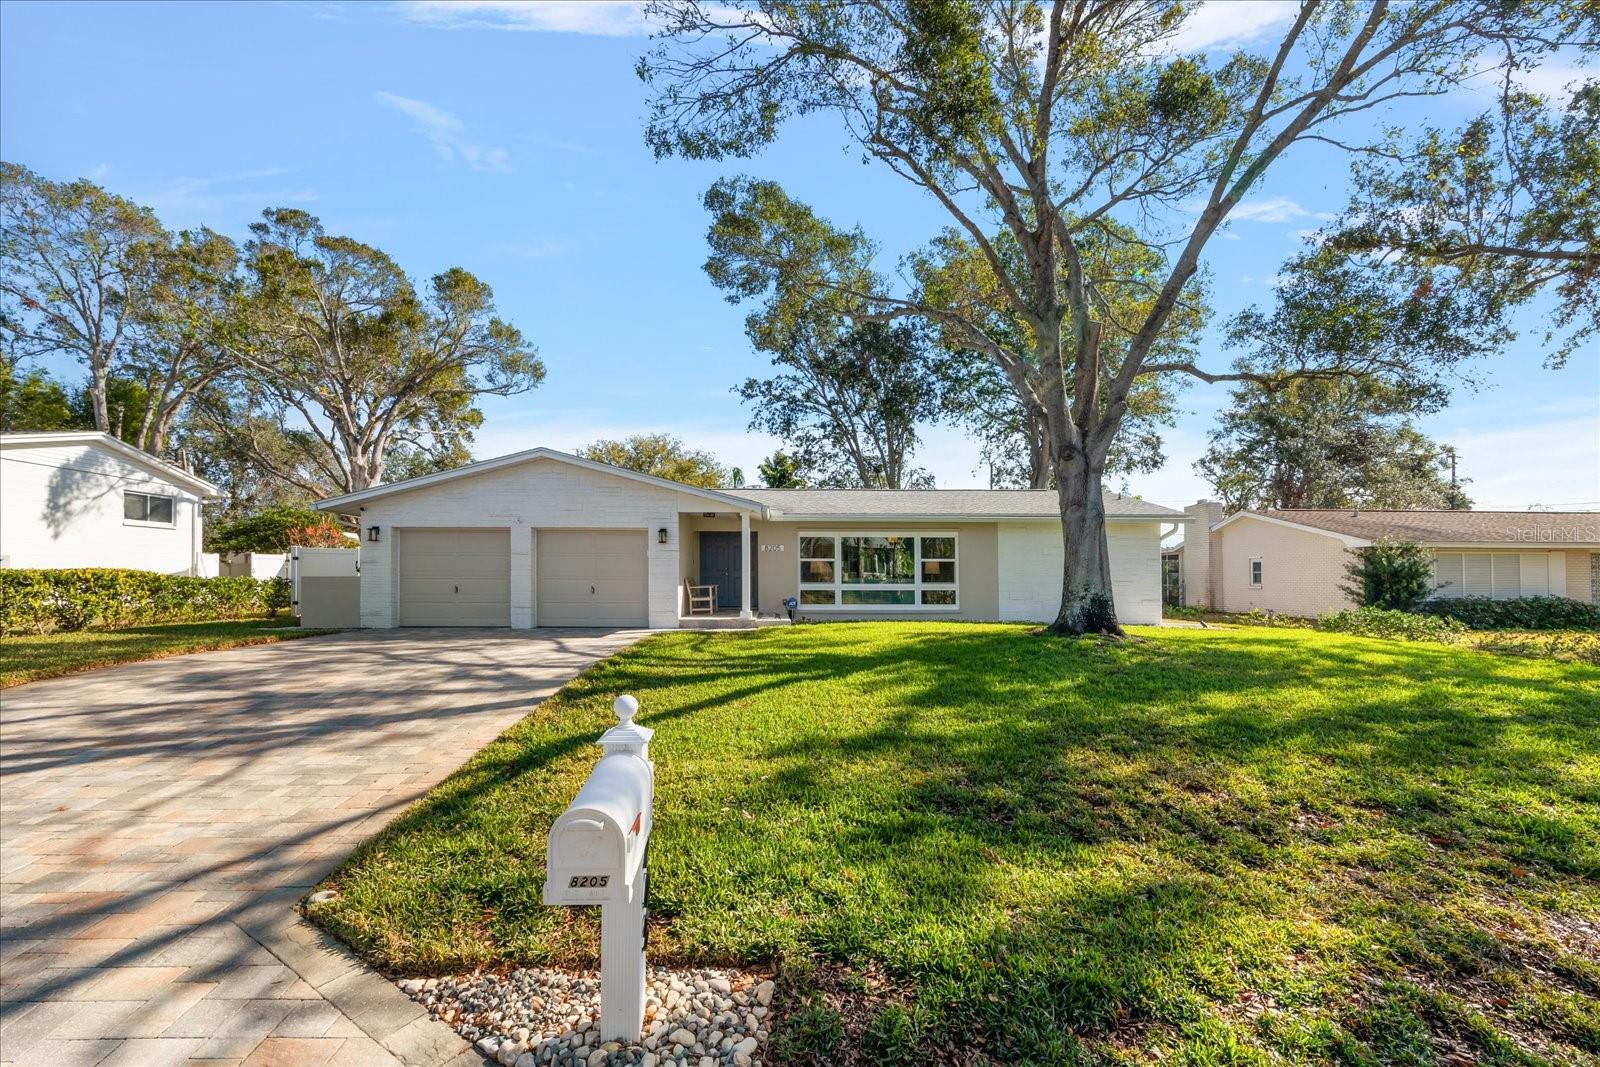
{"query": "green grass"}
[(1198, 846), (27, 657)]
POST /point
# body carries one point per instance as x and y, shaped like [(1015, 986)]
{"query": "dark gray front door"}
[(719, 566)]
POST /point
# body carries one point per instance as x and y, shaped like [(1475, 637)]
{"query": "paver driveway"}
[(159, 821)]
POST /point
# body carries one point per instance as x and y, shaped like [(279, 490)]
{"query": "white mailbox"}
[(597, 854)]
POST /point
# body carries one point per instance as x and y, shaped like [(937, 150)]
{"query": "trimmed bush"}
[(1390, 574), (1522, 613), (109, 598), (1382, 622)]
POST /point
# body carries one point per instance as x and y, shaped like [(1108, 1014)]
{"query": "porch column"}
[(744, 566)]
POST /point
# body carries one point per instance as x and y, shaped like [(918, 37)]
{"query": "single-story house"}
[(87, 499), (1293, 561), (542, 538)]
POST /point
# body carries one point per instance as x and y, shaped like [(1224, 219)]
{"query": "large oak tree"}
[(1052, 127), (340, 344)]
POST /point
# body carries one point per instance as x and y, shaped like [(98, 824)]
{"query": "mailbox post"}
[(597, 855)]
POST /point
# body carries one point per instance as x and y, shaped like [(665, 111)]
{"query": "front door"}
[(719, 566)]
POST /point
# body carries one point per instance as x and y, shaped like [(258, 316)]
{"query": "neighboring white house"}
[(541, 538), (1293, 561), (86, 499)]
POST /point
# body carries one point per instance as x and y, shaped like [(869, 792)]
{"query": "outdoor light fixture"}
[(661, 535), (372, 533)]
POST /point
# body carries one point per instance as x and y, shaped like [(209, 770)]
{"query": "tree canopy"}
[(664, 456), (338, 337), (1054, 137), (848, 400), (278, 529)]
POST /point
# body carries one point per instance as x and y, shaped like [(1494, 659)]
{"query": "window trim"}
[(1258, 572), (152, 524), (917, 586)]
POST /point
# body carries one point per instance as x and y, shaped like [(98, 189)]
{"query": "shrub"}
[(278, 529), (1397, 575), (1522, 613), (1382, 622), (108, 598)]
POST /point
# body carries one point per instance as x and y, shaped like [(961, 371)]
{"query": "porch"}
[(711, 557)]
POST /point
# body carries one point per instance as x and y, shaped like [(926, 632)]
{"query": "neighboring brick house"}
[(1293, 561)]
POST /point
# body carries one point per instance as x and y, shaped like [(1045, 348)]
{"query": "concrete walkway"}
[(159, 822)]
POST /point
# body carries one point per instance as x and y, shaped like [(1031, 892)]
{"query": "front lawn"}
[(970, 843), (29, 657)]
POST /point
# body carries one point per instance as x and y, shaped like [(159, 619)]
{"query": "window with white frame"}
[(884, 571), (1255, 571), (148, 507)]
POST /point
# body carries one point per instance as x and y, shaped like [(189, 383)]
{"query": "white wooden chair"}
[(702, 598)]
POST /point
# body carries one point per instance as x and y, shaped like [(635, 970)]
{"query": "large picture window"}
[(878, 571), (147, 507)]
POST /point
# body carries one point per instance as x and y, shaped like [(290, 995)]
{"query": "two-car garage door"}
[(462, 577)]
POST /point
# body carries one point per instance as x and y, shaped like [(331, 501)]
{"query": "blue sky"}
[(506, 139)]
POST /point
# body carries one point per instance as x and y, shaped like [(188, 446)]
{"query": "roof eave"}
[(952, 517), (348, 500), (177, 475)]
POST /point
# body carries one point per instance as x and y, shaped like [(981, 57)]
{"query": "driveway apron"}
[(159, 821)]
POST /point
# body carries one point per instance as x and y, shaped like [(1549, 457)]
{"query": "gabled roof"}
[(1356, 528), (137, 456), (968, 504), (337, 503), (814, 504)]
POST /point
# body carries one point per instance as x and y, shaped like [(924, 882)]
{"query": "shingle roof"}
[(937, 503), (1454, 527)]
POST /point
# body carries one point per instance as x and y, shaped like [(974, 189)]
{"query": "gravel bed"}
[(534, 1016)]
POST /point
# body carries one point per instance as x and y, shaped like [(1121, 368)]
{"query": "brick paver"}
[(159, 822)]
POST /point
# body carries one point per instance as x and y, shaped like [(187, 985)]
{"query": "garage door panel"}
[(592, 578), (454, 577)]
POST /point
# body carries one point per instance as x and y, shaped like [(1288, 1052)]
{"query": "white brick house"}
[(542, 538)]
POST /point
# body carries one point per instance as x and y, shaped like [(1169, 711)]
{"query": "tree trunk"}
[(1086, 604), (97, 398), (1037, 435)]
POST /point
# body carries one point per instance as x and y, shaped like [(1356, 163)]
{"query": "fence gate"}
[(326, 586)]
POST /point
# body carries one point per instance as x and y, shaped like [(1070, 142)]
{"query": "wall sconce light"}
[(661, 536), (372, 533)]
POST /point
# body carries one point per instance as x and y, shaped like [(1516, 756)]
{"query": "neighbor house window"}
[(148, 507), (878, 570), (1255, 572), (1485, 574)]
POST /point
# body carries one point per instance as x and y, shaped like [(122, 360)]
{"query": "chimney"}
[(1201, 563)]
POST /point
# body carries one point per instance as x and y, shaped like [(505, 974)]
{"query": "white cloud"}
[(600, 18), (448, 134), (189, 201), (1547, 455), (1272, 209), (1230, 23)]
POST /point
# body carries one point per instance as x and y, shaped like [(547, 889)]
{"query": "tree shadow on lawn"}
[(1090, 834)]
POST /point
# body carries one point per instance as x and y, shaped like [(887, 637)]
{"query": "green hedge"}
[(1384, 622), (1522, 613), (107, 598)]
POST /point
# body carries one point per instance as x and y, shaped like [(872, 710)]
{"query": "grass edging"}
[(32, 658)]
